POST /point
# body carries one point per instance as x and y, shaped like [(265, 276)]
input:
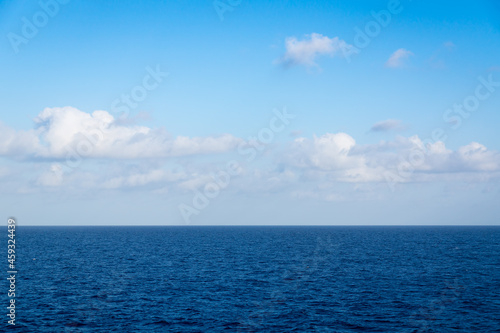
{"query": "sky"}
[(250, 112)]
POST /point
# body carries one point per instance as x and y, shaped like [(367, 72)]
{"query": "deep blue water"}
[(257, 279)]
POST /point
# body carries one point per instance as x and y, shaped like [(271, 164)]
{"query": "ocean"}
[(257, 279)]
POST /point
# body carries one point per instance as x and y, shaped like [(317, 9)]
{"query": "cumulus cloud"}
[(476, 157), (387, 125), (332, 154), (322, 167), (337, 158), (329, 151), (398, 58), (70, 133), (305, 52), (434, 157), (138, 154)]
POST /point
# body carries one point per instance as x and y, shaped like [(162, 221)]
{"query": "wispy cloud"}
[(387, 125), (449, 45), (398, 58), (438, 58), (306, 51)]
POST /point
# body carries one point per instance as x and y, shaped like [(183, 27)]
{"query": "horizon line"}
[(261, 225)]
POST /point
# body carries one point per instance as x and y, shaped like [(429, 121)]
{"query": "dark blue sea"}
[(257, 279)]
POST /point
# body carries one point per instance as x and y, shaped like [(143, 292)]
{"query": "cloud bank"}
[(129, 156)]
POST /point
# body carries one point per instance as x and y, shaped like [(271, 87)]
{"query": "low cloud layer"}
[(131, 156)]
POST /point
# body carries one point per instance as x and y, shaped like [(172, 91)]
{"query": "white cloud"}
[(14, 143), (471, 158), (331, 151), (398, 58), (331, 154), (70, 133), (305, 52), (387, 125), (303, 166), (337, 158), (476, 157)]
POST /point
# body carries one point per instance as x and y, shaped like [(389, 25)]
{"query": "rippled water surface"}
[(258, 279)]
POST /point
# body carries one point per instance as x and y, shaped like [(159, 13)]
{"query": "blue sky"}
[(363, 115)]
